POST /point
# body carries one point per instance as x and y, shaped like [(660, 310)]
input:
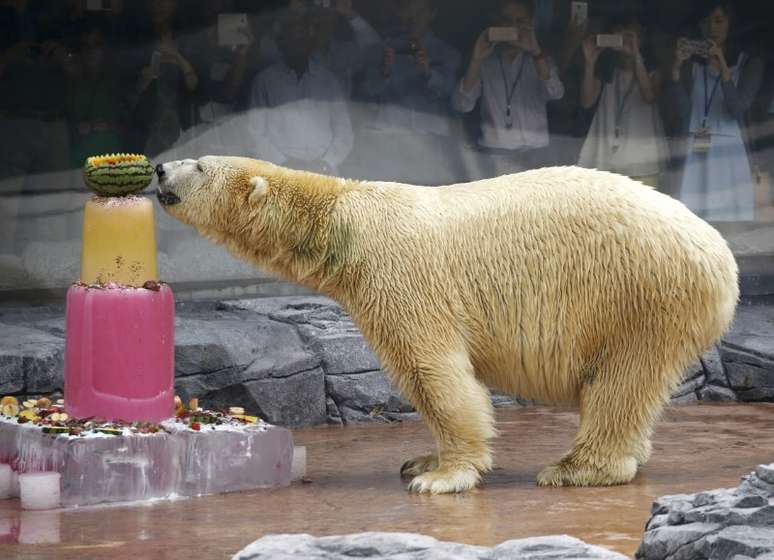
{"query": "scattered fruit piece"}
[(29, 404), (10, 409), (56, 430), (43, 403), (244, 418), (234, 410), (110, 431), (9, 400), (196, 426), (29, 414), (193, 404), (58, 417)]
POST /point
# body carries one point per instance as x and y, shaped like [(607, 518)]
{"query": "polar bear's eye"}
[(199, 167)]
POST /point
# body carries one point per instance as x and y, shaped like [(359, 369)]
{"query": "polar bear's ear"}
[(259, 188)]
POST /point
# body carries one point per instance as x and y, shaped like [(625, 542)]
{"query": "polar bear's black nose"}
[(160, 170)]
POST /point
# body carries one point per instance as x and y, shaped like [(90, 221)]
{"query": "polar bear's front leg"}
[(458, 411)]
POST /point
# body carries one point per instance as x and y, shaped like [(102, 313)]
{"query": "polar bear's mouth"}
[(167, 198)]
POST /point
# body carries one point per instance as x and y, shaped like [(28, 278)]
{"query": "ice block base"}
[(106, 468)]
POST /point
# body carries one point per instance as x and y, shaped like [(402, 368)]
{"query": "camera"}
[(610, 40), (409, 49)]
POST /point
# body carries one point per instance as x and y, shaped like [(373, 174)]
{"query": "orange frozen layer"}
[(119, 241)]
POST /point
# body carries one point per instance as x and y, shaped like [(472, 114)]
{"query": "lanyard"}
[(509, 94), (708, 103), (621, 101)]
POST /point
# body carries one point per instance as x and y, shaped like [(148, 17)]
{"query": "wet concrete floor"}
[(353, 485)]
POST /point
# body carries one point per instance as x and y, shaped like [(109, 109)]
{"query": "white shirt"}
[(528, 101), (303, 118), (640, 148)]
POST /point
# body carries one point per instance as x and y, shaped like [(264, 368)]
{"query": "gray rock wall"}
[(300, 360)]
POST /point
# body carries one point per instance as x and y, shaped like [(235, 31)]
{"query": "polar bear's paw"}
[(419, 465), (445, 480), (573, 473)]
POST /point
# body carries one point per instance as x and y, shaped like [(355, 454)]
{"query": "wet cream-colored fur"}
[(559, 284)]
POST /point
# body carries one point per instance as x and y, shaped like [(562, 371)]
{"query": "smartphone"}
[(611, 40), (699, 47), (155, 64), (233, 30), (579, 13), (502, 34), (97, 5)]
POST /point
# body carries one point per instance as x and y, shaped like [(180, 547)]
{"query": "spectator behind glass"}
[(409, 78), (626, 134), (298, 115), (342, 41), (221, 64), (34, 138), (163, 100), (33, 64), (516, 80), (706, 99), (93, 95)]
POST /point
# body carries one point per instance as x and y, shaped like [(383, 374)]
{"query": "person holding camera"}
[(515, 79), (626, 134), (712, 85), (409, 79), (163, 98), (34, 63), (298, 116)]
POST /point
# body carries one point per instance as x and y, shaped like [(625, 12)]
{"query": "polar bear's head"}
[(261, 211), (207, 192)]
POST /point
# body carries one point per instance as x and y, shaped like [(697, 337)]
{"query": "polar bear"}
[(560, 284)]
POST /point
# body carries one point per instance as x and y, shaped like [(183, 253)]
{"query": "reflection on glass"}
[(419, 91)]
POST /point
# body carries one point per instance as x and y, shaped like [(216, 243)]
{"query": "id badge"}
[(702, 140)]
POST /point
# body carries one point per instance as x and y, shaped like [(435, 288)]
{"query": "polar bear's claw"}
[(419, 465), (445, 481)]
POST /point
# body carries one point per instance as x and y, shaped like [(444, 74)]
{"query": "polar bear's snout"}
[(169, 178)]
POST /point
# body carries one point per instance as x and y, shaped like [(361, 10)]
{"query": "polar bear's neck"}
[(310, 246)]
